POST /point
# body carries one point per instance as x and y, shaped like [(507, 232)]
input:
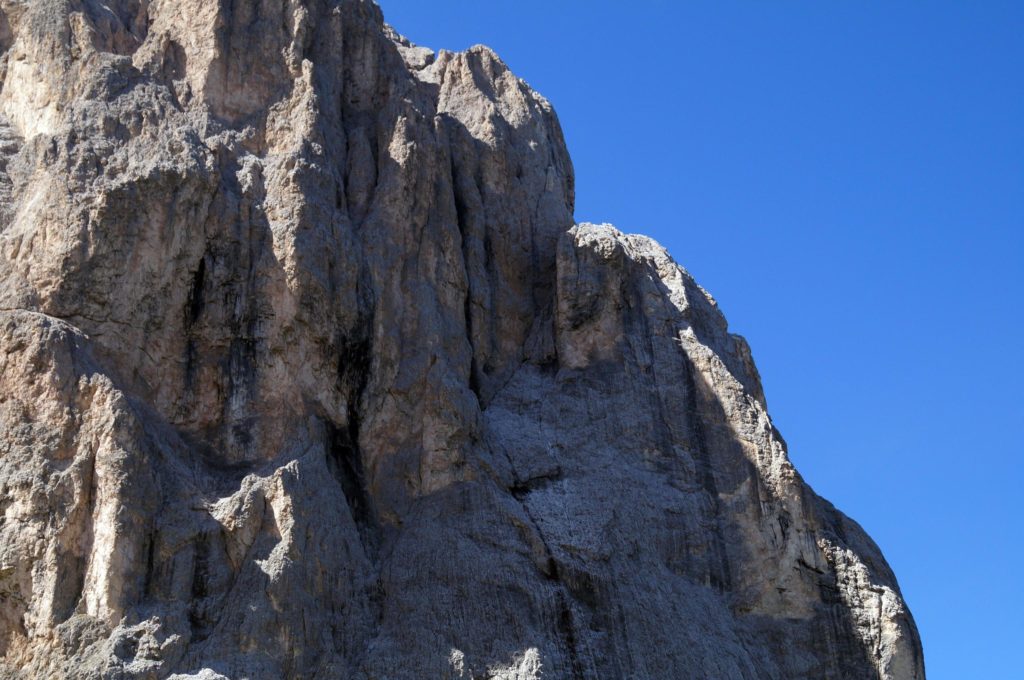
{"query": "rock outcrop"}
[(307, 372)]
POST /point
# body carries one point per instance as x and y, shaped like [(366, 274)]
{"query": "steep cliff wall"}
[(306, 371)]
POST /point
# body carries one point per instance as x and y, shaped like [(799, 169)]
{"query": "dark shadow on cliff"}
[(722, 458)]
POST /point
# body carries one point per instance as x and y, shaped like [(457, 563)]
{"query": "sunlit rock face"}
[(307, 372)]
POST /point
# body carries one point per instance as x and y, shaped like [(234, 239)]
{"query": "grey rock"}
[(307, 372)]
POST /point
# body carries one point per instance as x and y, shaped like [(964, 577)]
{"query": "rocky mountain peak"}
[(306, 371)]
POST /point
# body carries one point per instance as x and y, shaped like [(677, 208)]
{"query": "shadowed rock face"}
[(306, 372)]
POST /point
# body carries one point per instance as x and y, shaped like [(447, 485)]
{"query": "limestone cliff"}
[(307, 372)]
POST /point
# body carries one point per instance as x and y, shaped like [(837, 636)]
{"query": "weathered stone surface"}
[(306, 371)]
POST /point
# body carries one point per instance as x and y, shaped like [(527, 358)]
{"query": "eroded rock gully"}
[(307, 372)]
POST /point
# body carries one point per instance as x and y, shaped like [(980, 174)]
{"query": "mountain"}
[(306, 371)]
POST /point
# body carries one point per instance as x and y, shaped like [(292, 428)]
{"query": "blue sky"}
[(847, 178)]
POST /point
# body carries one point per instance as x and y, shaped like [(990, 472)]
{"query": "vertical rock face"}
[(306, 371)]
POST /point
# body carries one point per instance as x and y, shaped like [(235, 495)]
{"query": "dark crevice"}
[(522, 488), (241, 374), (174, 63), (474, 381), (460, 202), (548, 366), (784, 523), (582, 585), (493, 281), (566, 628), (375, 142), (463, 225), (6, 34), (191, 357), (197, 614), (344, 456), (343, 197), (147, 584), (345, 461), (194, 305)]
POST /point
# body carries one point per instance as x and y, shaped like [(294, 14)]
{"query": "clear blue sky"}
[(847, 178)]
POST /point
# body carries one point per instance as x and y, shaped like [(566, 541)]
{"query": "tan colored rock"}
[(306, 371)]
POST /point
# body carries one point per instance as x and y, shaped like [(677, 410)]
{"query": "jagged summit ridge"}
[(306, 371)]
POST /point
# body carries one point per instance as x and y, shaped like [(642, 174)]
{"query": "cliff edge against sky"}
[(307, 372)]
